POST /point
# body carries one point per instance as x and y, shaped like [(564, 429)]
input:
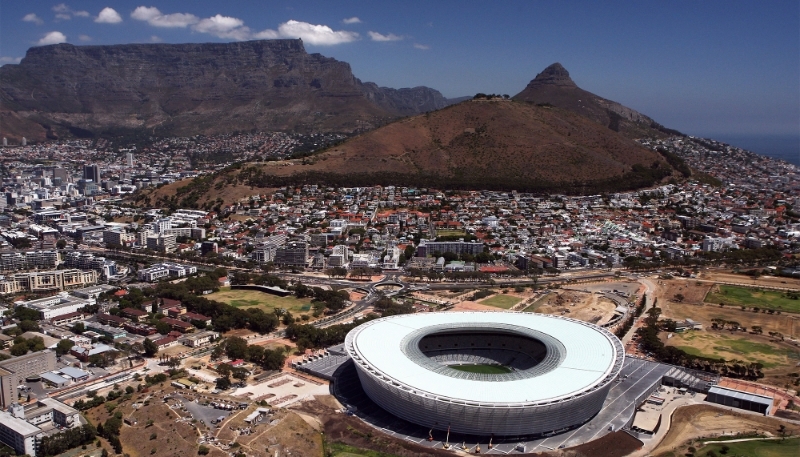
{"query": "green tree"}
[(64, 346), (150, 348)]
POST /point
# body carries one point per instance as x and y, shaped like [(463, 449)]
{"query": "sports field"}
[(501, 301), (712, 345), (759, 448), (753, 297), (254, 298), (482, 368), (449, 233)]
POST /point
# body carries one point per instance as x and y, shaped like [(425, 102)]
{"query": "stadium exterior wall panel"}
[(483, 419)]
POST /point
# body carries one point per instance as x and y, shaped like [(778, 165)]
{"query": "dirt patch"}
[(616, 444), (704, 313), (694, 292), (705, 421), (587, 307)]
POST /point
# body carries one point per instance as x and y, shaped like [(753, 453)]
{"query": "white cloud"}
[(32, 17), (154, 17), (54, 37), (6, 60), (375, 36), (223, 27), (155, 39), (145, 13), (321, 35), (84, 38), (352, 20), (424, 47), (108, 15), (267, 34), (227, 27), (64, 12)]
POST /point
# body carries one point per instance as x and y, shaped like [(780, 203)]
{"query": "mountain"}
[(553, 86), (479, 144), (184, 89)]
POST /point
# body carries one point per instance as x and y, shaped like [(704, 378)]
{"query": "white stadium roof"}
[(589, 356)]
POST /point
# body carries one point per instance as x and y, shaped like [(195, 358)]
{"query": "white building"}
[(23, 427), (55, 306)]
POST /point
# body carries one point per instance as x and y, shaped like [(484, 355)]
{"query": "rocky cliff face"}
[(169, 89), (555, 87)]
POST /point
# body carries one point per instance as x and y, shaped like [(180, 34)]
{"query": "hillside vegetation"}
[(499, 145)]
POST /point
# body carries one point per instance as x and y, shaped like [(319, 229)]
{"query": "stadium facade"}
[(557, 372)]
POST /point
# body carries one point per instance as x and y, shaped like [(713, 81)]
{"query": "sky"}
[(702, 67)]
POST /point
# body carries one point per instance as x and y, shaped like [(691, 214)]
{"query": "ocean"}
[(785, 147)]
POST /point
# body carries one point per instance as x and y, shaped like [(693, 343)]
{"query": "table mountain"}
[(553, 86), (184, 89)]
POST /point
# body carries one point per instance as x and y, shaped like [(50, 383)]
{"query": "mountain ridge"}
[(554, 86), (180, 89)]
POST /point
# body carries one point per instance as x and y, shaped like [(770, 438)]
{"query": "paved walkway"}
[(666, 423)]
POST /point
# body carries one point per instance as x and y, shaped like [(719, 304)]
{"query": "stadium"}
[(482, 373)]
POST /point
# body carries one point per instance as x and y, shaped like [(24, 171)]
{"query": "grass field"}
[(501, 301), (712, 345), (482, 368), (450, 233), (752, 297), (765, 448), (268, 302), (343, 450)]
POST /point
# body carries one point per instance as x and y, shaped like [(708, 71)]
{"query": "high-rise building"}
[(24, 141), (129, 159), (92, 172), (59, 172)]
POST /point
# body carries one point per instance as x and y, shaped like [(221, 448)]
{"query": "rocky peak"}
[(554, 75)]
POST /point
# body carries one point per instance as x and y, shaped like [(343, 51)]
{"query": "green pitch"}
[(481, 368)]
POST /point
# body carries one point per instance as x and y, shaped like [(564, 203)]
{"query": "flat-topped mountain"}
[(553, 86), (183, 89)]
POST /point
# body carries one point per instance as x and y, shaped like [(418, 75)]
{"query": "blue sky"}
[(702, 67)]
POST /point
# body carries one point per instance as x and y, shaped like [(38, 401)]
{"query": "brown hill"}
[(186, 89), (553, 86), (500, 144)]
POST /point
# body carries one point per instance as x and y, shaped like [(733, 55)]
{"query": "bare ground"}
[(705, 421)]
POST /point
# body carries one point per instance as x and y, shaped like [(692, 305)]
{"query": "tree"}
[(679, 297), (61, 244), (223, 383), (64, 346), (173, 362), (150, 348), (224, 369), (78, 328), (236, 348), (240, 373)]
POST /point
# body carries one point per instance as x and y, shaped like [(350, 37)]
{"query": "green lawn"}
[(501, 301), (481, 368), (753, 297), (268, 302), (766, 448), (343, 450)]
